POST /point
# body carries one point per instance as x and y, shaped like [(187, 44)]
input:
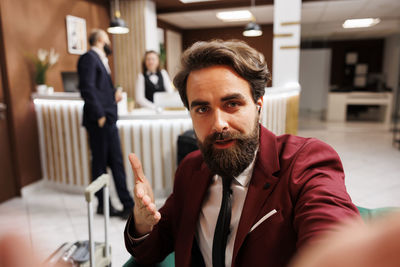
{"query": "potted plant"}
[(42, 62)]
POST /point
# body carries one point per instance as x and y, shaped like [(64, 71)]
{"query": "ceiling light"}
[(238, 15), (252, 30), (360, 23), (195, 1), (117, 25)]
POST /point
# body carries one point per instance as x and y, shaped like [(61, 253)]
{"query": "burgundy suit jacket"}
[(301, 178)]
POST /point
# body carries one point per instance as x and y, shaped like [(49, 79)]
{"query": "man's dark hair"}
[(244, 60), (94, 36), (144, 68)]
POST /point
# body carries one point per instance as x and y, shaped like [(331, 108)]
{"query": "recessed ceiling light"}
[(360, 23), (195, 1), (238, 15)]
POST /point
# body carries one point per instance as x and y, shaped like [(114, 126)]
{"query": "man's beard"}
[(233, 160), (107, 49)]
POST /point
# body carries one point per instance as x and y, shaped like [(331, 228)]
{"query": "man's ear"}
[(259, 104)]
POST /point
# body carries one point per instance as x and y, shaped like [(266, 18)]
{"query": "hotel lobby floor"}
[(47, 217)]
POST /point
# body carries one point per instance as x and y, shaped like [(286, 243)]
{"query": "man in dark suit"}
[(100, 117), (248, 197)]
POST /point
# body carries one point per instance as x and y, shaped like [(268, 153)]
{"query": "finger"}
[(136, 168), (146, 200), (157, 216), (153, 219), (139, 191), (152, 208), (12, 246), (148, 206)]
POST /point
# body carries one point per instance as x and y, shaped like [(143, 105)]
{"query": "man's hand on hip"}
[(145, 212), (118, 95), (101, 121)]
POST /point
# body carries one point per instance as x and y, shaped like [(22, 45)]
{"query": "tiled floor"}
[(371, 163), (48, 217)]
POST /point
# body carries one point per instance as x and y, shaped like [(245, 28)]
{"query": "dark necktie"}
[(223, 224)]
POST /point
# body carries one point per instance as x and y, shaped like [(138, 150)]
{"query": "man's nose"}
[(220, 121)]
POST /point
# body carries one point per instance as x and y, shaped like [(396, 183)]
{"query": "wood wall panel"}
[(28, 26), (130, 48), (262, 43)]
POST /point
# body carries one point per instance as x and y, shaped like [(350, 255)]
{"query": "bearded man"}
[(247, 197)]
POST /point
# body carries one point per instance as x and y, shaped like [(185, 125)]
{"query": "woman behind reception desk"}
[(151, 80)]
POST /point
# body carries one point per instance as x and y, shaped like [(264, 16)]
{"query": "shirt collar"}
[(244, 178), (151, 73), (100, 52)]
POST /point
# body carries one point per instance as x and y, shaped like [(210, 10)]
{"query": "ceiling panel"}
[(339, 10), (319, 18), (312, 12), (208, 18)]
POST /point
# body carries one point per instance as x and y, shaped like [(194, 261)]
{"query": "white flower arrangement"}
[(43, 61)]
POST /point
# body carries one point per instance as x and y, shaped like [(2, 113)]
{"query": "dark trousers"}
[(106, 151)]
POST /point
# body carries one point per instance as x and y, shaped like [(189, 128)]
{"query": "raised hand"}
[(145, 212)]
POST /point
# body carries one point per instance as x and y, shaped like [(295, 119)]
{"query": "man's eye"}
[(202, 110), (233, 104)]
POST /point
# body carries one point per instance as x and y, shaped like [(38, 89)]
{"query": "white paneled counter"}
[(64, 148)]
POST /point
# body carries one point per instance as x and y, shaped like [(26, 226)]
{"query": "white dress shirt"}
[(210, 210), (103, 57), (140, 88)]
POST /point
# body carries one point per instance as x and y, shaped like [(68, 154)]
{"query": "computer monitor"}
[(70, 81), (168, 100)]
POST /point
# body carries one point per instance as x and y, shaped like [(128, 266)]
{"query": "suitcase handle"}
[(95, 186)]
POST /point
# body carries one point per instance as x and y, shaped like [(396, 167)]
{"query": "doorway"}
[(8, 183)]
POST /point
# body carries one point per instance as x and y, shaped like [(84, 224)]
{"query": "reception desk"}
[(64, 149), (65, 155), (339, 102)]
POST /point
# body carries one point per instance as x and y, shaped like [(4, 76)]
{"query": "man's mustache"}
[(221, 136)]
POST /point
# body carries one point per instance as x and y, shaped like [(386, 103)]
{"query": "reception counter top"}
[(123, 114)]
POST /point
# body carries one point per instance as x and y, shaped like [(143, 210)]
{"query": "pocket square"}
[(266, 216)]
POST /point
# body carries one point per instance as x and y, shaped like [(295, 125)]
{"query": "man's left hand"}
[(118, 95)]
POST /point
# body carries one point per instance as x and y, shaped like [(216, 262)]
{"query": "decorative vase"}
[(41, 89)]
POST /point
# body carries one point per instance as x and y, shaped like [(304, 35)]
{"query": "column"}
[(286, 56), (286, 45)]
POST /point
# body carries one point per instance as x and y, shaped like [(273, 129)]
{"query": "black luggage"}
[(187, 143)]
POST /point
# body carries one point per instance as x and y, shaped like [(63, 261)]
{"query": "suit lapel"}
[(108, 75), (261, 185), (195, 196)]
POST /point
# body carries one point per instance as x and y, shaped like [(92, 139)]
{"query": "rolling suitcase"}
[(88, 253)]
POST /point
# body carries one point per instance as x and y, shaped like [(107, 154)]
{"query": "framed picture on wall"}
[(76, 35)]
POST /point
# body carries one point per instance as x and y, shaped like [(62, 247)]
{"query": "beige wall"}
[(27, 26)]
